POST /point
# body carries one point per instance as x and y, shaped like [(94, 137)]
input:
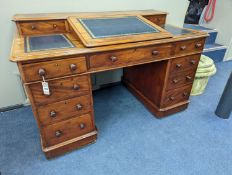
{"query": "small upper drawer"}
[(157, 19), (176, 96), (52, 69), (42, 27), (60, 89), (184, 63), (181, 79), (130, 56), (189, 46), (61, 110), (68, 129)]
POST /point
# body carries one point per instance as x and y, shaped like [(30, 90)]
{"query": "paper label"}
[(45, 88)]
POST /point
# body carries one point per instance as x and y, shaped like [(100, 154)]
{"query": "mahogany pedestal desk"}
[(56, 53)]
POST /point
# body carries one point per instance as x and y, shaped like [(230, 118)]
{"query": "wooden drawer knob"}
[(54, 26), (188, 78), (178, 66), (193, 62), (82, 125), (175, 81), (155, 52), (113, 58), (33, 27), (76, 87), (53, 114), (171, 98), (58, 133), (183, 47), (41, 72), (198, 45), (79, 107), (185, 94), (73, 67)]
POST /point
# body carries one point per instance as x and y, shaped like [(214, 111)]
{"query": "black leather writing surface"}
[(112, 27), (47, 42), (176, 30)]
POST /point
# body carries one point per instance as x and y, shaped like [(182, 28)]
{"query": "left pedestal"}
[(65, 115)]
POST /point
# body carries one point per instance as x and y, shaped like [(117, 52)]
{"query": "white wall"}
[(222, 22), (10, 90)]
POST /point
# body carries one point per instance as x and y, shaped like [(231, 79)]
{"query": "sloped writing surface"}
[(112, 27), (47, 42)]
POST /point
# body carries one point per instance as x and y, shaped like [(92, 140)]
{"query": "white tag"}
[(45, 86)]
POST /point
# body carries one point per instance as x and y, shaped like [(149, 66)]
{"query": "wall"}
[(10, 89), (222, 22)]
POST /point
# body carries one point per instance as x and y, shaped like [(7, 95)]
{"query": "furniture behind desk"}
[(159, 72)]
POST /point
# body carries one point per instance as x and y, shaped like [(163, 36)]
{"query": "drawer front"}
[(156, 19), (124, 57), (68, 129), (190, 46), (52, 69), (60, 89), (184, 63), (58, 111), (42, 27), (176, 96), (181, 79)]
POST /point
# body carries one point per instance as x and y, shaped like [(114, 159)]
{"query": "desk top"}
[(72, 43)]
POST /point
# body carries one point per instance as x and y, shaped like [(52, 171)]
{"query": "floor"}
[(131, 140)]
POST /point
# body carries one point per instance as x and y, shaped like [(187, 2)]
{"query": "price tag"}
[(45, 86)]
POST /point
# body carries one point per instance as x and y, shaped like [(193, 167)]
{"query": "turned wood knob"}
[(178, 66), (193, 62), (185, 94), (188, 77), (155, 52), (58, 133), (82, 125), (33, 27), (41, 72), (198, 45), (183, 47), (76, 87), (53, 114), (172, 98), (54, 26), (79, 107), (113, 58), (73, 67), (175, 81)]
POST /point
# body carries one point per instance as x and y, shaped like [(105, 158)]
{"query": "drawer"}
[(52, 69), (68, 129), (184, 63), (181, 79), (58, 111), (189, 46), (60, 89), (176, 96), (42, 27), (124, 57), (156, 19)]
